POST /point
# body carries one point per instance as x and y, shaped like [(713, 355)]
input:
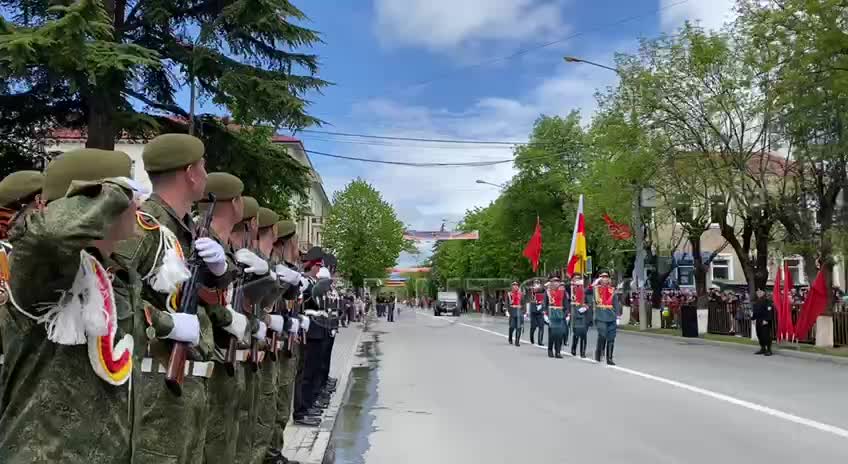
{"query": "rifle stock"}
[(175, 372)]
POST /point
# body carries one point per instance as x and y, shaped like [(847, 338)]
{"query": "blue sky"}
[(376, 51)]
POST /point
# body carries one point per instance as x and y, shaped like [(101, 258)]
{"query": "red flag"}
[(617, 230), (533, 250), (789, 333), (813, 307), (777, 299)]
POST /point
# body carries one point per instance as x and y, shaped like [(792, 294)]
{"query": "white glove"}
[(547, 320), (333, 332), (186, 328), (272, 274), (324, 273), (295, 325), (255, 264), (261, 331), (237, 328), (277, 323), (287, 275), (213, 255), (304, 323)]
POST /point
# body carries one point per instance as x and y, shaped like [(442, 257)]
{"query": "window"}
[(686, 276), (722, 268), (796, 269)]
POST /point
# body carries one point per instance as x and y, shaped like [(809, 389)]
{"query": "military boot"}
[(518, 337), (610, 346), (574, 346), (599, 348), (583, 347)]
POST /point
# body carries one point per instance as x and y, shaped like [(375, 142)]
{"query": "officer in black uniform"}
[(763, 317), (304, 411)]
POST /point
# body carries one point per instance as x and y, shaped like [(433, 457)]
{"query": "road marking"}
[(832, 429)]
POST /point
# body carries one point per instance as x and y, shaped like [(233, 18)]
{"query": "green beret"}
[(171, 151), (85, 164), (251, 208), (285, 229), (225, 186), (20, 185), (267, 217)]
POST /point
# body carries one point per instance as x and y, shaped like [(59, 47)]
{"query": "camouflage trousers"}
[(266, 410), (223, 428), (285, 394), (172, 429), (247, 414)]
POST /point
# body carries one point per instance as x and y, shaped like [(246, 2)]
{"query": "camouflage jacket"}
[(54, 407), (141, 253)]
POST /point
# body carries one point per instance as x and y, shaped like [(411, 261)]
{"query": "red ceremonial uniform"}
[(515, 298), (556, 297), (603, 296), (578, 294), (540, 298)]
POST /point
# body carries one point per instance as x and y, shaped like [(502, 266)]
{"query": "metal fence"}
[(735, 318)]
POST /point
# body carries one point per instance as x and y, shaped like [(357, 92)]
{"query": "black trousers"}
[(555, 343), (327, 356), (391, 317), (537, 321), (311, 383), (764, 335), (297, 402)]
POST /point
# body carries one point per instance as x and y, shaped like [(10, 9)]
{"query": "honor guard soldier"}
[(605, 318), (18, 196), (227, 381), (174, 405), (328, 384), (516, 313), (579, 316), (68, 331), (286, 257), (536, 300), (305, 411), (554, 302)]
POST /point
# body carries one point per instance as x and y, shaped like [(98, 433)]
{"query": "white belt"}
[(192, 368)]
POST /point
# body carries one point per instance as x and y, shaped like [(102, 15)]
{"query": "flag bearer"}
[(536, 300), (579, 316), (605, 317), (556, 318)]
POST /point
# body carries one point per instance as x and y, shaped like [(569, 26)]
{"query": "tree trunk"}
[(699, 269)]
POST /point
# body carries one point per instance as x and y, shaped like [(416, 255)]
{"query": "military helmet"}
[(224, 186), (267, 217), (85, 164), (314, 254), (172, 151), (19, 186), (285, 229), (251, 208)]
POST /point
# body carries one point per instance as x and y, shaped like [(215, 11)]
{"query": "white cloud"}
[(425, 196), (711, 14), (445, 24)]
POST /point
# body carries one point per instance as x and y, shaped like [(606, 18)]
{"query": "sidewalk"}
[(307, 445)]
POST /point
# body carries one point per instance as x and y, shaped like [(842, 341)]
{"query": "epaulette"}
[(146, 221)]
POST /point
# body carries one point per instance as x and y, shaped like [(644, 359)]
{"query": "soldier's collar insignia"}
[(146, 221)]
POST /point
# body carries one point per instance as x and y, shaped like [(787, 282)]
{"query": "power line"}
[(432, 165), (414, 139), (377, 143)]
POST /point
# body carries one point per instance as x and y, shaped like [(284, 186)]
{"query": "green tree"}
[(364, 233)]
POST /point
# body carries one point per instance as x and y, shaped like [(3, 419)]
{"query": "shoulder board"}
[(146, 221)]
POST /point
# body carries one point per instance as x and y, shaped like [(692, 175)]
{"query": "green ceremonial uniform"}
[(56, 408), (15, 188), (224, 389), (172, 429)]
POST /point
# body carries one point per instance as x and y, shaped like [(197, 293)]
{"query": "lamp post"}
[(639, 267), (500, 186)]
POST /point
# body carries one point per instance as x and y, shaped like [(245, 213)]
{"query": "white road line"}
[(832, 429)]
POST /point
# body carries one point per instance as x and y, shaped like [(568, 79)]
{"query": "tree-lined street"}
[(451, 390)]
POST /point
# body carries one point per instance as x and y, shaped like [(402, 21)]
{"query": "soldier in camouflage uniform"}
[(227, 382), (18, 192), (285, 256), (69, 346), (172, 428)]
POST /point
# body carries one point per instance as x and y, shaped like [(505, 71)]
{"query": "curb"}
[(780, 351), (312, 443)]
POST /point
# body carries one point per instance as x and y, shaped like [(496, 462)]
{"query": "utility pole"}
[(639, 267)]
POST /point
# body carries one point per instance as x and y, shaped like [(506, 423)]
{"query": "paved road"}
[(453, 391)]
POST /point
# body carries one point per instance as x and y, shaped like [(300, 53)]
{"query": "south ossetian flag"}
[(577, 254)]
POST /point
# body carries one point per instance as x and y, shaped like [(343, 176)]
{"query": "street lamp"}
[(500, 186), (639, 268)]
